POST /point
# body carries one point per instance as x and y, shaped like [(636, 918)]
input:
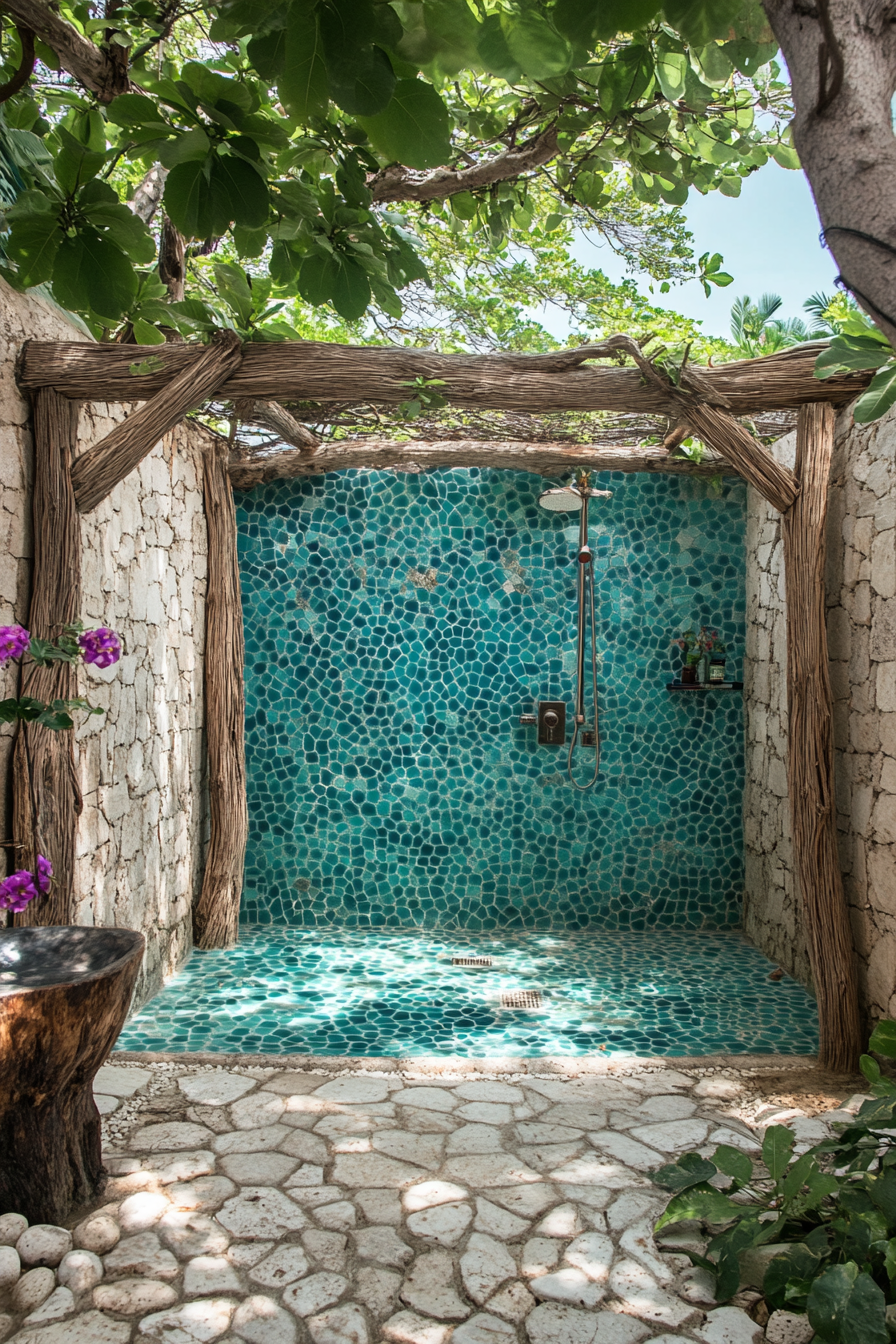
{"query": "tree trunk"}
[(216, 915), (63, 1001), (811, 749), (842, 61), (43, 762)]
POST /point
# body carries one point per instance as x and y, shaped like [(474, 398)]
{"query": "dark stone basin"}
[(35, 958), (64, 996)]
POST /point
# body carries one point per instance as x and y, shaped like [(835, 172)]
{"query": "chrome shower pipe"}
[(584, 559)]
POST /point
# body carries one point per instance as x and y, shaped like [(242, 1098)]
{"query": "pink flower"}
[(44, 873), (17, 891), (101, 646), (14, 641)]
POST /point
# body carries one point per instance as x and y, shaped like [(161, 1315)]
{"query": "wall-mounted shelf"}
[(704, 685)]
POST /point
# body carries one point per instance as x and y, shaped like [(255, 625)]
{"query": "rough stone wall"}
[(861, 602), (140, 766)]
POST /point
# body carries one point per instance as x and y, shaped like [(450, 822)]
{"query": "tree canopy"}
[(345, 151)]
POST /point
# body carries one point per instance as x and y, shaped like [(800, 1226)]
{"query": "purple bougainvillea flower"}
[(101, 646), (44, 873), (14, 641), (17, 891)]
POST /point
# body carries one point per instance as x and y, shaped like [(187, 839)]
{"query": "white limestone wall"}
[(861, 603), (140, 767)]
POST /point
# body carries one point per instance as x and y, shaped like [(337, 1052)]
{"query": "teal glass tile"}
[(323, 992), (396, 627)]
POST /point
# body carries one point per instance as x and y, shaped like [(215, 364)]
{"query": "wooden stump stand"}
[(64, 996)]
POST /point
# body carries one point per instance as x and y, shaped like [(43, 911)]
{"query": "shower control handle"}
[(551, 723), (528, 720)]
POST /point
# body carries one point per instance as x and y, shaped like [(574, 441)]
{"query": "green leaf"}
[(776, 1149), (690, 1169), (351, 291), (33, 240), (193, 144), (75, 164), (699, 21), (9, 711), (136, 111), (621, 16), (700, 1202), (240, 191), (671, 68), (189, 200), (789, 1275), (91, 272), (881, 395), (883, 1039), (317, 277), (846, 1307), (732, 1162), (847, 354), (494, 51), (534, 43), (267, 54), (414, 128), (303, 83), (786, 157), (870, 1067), (118, 223), (625, 79), (145, 334), (55, 719)]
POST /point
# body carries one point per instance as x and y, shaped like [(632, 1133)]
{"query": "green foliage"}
[(859, 345), (271, 121), (832, 1209)]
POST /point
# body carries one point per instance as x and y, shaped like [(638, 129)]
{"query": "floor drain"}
[(522, 998), (471, 961)]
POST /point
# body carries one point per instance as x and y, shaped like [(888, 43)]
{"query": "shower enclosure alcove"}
[(705, 402), (397, 625)]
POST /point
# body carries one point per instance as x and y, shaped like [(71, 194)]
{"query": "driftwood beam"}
[(747, 456), (43, 765), (810, 761), (416, 455), (319, 371), (216, 914), (101, 467)]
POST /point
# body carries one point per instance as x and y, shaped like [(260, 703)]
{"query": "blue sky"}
[(768, 237)]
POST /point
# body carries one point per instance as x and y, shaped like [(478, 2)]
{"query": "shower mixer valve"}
[(550, 721)]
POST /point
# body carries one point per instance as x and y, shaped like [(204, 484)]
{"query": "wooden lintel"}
[(320, 371), (101, 467), (416, 455)]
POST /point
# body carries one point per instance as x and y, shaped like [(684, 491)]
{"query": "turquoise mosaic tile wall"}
[(397, 626)]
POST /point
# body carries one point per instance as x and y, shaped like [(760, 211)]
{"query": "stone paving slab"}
[(299, 1201)]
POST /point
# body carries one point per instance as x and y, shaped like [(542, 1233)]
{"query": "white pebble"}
[(60, 1303), (6, 1325), (43, 1244), (10, 1266), (33, 1289), (12, 1225), (98, 1233), (80, 1271)]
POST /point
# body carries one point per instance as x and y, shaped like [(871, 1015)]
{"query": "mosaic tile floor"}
[(312, 991)]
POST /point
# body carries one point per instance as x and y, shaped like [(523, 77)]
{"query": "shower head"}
[(568, 498)]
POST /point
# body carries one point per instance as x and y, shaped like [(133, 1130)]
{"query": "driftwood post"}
[(216, 914), (810, 761), (43, 762)]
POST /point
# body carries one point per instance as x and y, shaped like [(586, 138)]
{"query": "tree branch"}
[(84, 61), (397, 183), (26, 67)]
